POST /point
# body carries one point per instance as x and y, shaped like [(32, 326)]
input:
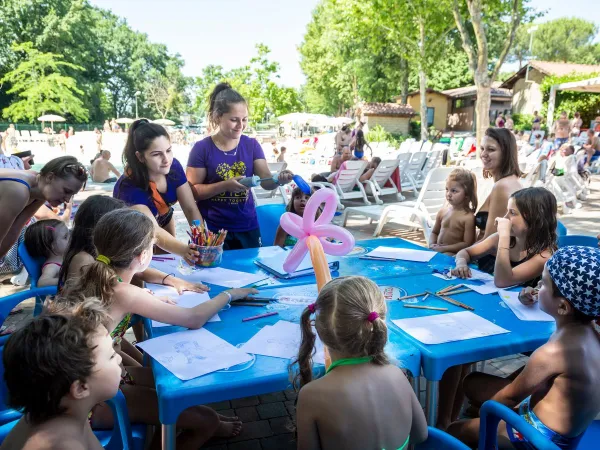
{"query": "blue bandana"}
[(576, 272)]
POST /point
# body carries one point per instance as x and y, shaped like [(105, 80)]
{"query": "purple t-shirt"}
[(232, 211)]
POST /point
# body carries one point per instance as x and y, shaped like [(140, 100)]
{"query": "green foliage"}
[(568, 39), (41, 87), (586, 104), (522, 121), (116, 60), (256, 82), (379, 134)]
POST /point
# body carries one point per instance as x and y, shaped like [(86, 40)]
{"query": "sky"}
[(224, 32)]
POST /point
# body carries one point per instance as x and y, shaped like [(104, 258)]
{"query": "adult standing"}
[(153, 178), (536, 124), (216, 165), (500, 121), (343, 138), (562, 128), (576, 125), (509, 124), (23, 192)]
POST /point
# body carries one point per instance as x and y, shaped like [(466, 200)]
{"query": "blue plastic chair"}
[(437, 440), (268, 221), (561, 230), (590, 439), (123, 435), (577, 239), (34, 268), (492, 413)]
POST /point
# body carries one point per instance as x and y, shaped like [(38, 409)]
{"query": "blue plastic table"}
[(436, 359), (243, 260), (266, 374)]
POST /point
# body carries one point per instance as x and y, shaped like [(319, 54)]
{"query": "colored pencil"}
[(425, 307), (452, 301), (247, 304), (406, 297), (260, 316), (460, 291)]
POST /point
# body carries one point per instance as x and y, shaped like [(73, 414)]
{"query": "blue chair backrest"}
[(437, 440), (561, 230), (492, 413), (268, 221), (121, 437), (576, 239), (32, 265)]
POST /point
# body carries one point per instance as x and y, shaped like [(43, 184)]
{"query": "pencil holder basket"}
[(209, 256)]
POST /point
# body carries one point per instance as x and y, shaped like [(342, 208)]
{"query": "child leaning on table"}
[(124, 241), (363, 401), (454, 228), (57, 368), (557, 391)]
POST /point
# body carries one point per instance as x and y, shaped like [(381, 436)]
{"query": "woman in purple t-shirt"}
[(218, 162)]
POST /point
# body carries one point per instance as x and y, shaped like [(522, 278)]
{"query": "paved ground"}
[(268, 419)]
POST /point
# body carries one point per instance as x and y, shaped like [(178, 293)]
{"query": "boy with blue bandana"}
[(557, 390)]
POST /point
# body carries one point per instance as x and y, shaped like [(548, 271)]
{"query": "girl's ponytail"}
[(307, 347)]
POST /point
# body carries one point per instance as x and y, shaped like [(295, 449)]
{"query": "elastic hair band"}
[(372, 316), (103, 259), (50, 228), (312, 308)]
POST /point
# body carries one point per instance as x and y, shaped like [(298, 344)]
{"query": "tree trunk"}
[(482, 109), (404, 81), (423, 83)]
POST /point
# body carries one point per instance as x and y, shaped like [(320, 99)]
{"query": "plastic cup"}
[(209, 256)]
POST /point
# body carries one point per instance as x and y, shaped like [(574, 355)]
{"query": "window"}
[(430, 115)]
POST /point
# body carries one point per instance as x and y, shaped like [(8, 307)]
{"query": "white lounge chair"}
[(419, 214), (572, 175), (346, 181), (407, 182), (262, 196), (406, 145), (380, 177), (415, 146), (415, 167)]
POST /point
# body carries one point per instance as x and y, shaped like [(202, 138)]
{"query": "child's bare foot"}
[(228, 418), (228, 429)]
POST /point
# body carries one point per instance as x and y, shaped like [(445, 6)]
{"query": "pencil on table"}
[(406, 297), (452, 301), (425, 307)]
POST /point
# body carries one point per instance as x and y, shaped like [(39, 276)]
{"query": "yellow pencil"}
[(433, 308)]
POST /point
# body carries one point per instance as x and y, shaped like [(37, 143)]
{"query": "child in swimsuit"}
[(454, 228), (48, 239), (124, 241), (526, 238), (557, 391), (296, 206), (68, 360), (363, 401)]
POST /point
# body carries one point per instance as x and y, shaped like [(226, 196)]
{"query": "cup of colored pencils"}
[(208, 244)]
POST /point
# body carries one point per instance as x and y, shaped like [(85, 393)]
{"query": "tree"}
[(520, 49), (494, 18), (40, 84), (587, 104), (166, 93), (568, 39)]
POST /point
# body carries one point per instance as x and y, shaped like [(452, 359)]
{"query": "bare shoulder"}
[(79, 261), (56, 434)]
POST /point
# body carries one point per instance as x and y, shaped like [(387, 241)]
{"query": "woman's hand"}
[(182, 285), (238, 294), (503, 226), (285, 176), (462, 269), (233, 185), (528, 296)]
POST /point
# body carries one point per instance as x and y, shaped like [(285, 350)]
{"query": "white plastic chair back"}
[(348, 177)]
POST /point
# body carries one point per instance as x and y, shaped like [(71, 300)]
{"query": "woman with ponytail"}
[(153, 178), (216, 165), (123, 241), (363, 401)]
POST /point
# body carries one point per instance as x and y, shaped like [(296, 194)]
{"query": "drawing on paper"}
[(287, 344), (190, 350)]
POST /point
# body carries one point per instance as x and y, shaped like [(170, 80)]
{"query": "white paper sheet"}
[(281, 340), (404, 254), (186, 300), (277, 257), (531, 313), (441, 328), (193, 353), (214, 275), (486, 283)]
